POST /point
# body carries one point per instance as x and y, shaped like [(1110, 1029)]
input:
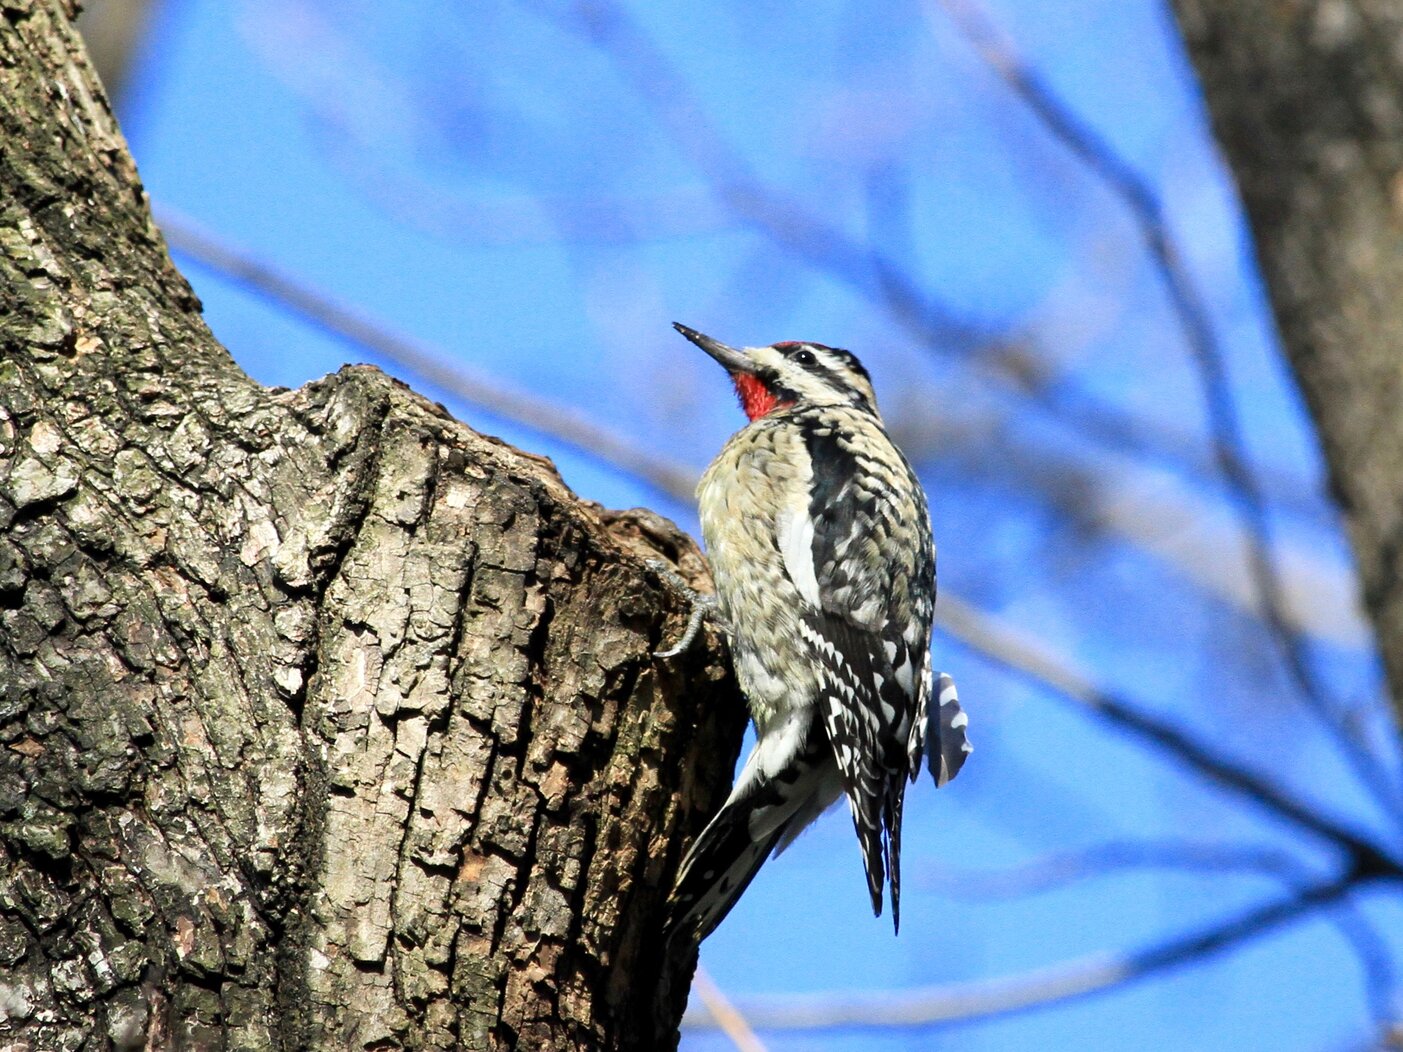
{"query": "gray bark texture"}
[(1306, 98), (325, 722)]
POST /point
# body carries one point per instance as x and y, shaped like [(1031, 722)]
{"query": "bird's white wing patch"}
[(794, 531)]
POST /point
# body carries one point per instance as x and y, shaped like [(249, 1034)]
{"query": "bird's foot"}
[(703, 608)]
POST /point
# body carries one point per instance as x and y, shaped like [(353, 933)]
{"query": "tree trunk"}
[(1307, 101), (325, 722)]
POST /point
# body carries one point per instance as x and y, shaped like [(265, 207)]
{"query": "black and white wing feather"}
[(872, 564)]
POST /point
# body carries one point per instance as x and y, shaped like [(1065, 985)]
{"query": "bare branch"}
[(727, 1017), (561, 423), (1103, 494), (1008, 648), (1225, 430), (948, 1005), (821, 244), (1067, 867)]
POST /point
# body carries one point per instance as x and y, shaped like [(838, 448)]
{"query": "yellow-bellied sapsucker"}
[(820, 546)]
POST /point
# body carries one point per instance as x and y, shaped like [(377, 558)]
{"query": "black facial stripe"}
[(773, 384), (850, 360), (835, 368), (846, 359), (836, 376)]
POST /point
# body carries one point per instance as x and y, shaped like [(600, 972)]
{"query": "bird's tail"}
[(891, 816), (879, 831), (952, 746), (876, 805)]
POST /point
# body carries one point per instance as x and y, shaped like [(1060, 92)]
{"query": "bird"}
[(819, 540)]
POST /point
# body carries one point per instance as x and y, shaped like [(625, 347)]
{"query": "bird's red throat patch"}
[(755, 398)]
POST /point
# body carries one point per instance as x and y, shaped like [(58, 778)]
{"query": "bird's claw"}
[(703, 607)]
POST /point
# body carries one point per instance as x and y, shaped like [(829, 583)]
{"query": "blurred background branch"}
[(913, 1009), (1225, 430), (432, 365)]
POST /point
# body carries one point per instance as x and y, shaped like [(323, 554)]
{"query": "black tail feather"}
[(723, 861), (717, 870), (895, 800)]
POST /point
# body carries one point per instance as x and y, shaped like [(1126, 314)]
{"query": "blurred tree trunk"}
[(1306, 98), (325, 722), (113, 32)]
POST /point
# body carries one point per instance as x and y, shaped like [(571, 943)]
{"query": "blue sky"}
[(538, 190)]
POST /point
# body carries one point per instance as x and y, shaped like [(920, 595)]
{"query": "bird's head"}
[(790, 374)]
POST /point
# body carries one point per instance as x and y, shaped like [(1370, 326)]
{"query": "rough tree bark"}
[(1307, 101), (325, 722)]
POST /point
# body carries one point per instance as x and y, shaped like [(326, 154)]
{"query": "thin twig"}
[(727, 1017), (1225, 429), (1375, 959), (1100, 860), (822, 244)]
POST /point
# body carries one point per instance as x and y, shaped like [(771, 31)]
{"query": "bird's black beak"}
[(733, 360)]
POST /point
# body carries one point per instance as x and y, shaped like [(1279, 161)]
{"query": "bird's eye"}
[(804, 357)]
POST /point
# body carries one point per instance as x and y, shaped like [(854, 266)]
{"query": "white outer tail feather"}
[(952, 745)]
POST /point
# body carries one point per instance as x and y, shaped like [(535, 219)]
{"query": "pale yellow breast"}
[(762, 470)]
